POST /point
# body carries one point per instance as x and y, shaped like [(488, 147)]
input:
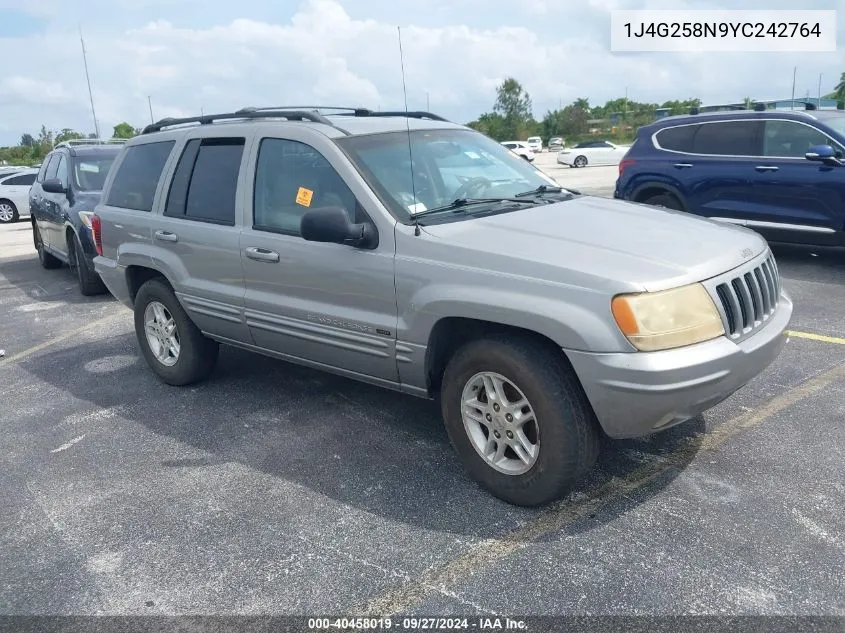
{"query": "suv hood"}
[(603, 243)]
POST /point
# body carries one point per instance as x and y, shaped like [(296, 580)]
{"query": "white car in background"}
[(592, 153), (14, 194), (520, 149), (535, 143)]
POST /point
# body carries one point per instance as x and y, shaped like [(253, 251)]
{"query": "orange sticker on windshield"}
[(303, 197)]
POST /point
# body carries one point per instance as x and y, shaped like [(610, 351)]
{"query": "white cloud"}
[(457, 52)]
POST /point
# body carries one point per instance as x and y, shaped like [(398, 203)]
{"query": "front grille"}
[(750, 298)]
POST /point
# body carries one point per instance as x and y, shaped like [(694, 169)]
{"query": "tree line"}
[(31, 150), (512, 117)]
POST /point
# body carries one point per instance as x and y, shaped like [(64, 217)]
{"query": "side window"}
[(729, 138), (134, 184), (677, 139), (43, 171), (790, 139), (26, 179), (290, 178), (205, 183), (61, 170), (52, 167)]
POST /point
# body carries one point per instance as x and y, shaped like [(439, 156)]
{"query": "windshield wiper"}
[(457, 206), (540, 190)]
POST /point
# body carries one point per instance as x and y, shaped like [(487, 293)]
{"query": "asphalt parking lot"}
[(277, 489)]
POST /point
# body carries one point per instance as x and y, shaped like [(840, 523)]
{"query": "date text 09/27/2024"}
[(414, 624)]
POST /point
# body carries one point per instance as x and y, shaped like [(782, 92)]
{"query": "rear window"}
[(137, 177), (25, 179), (729, 138), (205, 184), (677, 139)]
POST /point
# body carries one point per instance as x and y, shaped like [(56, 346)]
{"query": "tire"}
[(8, 212), (565, 433), (47, 261), (89, 283), (665, 200), (580, 161), (197, 354)]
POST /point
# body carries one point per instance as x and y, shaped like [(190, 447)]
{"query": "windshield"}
[(89, 173), (836, 122), (447, 164)]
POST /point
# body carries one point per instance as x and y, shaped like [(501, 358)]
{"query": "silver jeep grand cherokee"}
[(422, 256)]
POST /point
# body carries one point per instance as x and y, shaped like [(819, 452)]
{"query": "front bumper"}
[(640, 393)]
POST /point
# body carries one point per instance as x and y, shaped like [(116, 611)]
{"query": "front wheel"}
[(580, 161), (666, 200), (89, 282), (519, 419), (172, 345)]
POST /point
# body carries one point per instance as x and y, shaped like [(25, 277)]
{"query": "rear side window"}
[(135, 182), (729, 138), (205, 183), (26, 179), (677, 139)]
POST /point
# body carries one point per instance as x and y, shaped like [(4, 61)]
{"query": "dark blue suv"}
[(778, 172), (61, 203)]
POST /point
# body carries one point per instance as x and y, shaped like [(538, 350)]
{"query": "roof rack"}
[(243, 113), (353, 111), (81, 142)]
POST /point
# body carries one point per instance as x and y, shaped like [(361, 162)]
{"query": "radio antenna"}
[(408, 128)]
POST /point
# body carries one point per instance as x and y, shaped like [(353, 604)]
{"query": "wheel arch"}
[(649, 189)]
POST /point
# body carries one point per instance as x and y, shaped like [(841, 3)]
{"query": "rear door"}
[(196, 239), (712, 164), (330, 305), (803, 201)]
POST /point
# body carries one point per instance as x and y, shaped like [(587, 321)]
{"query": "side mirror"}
[(822, 154), (331, 224), (53, 185)]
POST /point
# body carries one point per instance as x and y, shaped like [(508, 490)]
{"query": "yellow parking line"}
[(59, 339), (444, 578), (817, 337)]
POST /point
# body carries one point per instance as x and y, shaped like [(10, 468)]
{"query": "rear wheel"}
[(8, 212), (47, 260), (172, 345), (665, 200), (518, 418), (89, 282)]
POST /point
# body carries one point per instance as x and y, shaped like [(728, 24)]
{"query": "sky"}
[(217, 56)]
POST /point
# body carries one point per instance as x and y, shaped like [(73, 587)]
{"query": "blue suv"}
[(779, 172)]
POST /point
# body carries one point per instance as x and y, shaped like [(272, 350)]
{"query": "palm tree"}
[(839, 91), (749, 103)]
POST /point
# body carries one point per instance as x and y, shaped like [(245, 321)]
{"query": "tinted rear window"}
[(135, 182), (729, 138), (26, 179), (214, 182), (677, 139)]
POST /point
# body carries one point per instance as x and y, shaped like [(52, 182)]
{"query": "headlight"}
[(85, 216), (671, 318)]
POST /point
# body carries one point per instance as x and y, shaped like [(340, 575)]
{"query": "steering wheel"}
[(470, 185)]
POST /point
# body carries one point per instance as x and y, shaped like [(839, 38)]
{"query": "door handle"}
[(262, 254), (166, 236), (682, 165), (766, 168)]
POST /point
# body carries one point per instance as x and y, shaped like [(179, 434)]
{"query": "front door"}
[(804, 200), (331, 305)]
